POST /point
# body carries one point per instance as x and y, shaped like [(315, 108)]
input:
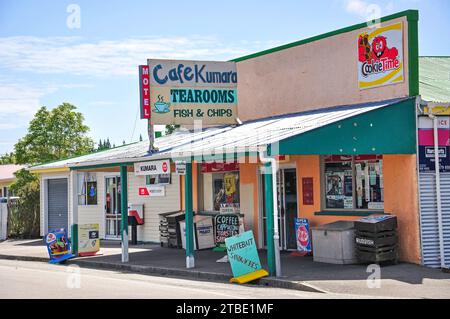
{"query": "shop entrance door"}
[(112, 207), (287, 208)]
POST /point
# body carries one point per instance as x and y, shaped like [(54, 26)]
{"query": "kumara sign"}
[(152, 167), (184, 91), (380, 56)]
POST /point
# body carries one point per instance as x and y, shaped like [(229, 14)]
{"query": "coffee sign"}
[(380, 56), (226, 225), (184, 91)]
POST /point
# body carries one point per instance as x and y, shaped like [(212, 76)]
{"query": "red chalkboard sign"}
[(308, 191)]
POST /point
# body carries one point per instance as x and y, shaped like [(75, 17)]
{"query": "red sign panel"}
[(143, 191), (144, 88), (219, 167), (308, 191)]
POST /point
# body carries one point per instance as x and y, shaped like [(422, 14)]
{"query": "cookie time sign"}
[(152, 167), (183, 91), (380, 56)]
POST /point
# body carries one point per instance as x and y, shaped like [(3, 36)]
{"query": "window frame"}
[(323, 190), (85, 184), (147, 177)]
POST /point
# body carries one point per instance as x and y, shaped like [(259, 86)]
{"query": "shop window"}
[(225, 190), (87, 189), (157, 179), (354, 182)]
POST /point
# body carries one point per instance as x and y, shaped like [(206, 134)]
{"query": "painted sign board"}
[(426, 144), (153, 191), (226, 225), (180, 167), (152, 167), (380, 56), (302, 235), (58, 246), (88, 239), (242, 254), (144, 90), (183, 91)]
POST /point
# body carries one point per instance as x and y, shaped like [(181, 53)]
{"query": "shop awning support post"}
[(268, 195), (189, 218), (124, 211)]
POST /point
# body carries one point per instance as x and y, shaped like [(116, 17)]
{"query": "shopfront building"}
[(339, 122)]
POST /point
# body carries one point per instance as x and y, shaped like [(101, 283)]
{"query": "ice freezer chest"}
[(334, 243)]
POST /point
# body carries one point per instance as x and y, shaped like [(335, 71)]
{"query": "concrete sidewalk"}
[(302, 273)]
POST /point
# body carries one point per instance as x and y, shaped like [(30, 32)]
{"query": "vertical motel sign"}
[(144, 89)]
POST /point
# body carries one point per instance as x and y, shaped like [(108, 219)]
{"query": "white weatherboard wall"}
[(43, 199), (95, 214), (153, 206)]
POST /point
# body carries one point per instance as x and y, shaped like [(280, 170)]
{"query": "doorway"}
[(287, 208), (112, 207)]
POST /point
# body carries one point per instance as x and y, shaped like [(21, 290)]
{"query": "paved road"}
[(25, 279)]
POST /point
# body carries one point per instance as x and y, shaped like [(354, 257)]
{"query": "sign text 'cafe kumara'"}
[(183, 91)]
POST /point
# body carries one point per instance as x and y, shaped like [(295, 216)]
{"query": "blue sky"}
[(44, 62)]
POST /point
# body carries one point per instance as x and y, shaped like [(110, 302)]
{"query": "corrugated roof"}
[(7, 172), (434, 78), (250, 136)]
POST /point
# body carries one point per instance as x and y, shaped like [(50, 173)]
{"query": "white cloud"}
[(73, 55), (18, 103)]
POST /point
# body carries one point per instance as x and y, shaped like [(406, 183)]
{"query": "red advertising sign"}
[(144, 89), (308, 191), (220, 167)]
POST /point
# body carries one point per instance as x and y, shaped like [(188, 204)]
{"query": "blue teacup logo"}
[(161, 106)]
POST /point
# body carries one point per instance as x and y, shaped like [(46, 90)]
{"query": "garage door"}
[(429, 219), (57, 203)]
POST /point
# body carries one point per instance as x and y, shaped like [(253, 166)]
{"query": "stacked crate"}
[(170, 234), (376, 239)]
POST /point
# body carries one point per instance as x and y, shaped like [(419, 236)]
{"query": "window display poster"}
[(58, 246), (302, 235)]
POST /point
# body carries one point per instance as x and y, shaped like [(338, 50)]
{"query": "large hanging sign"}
[(88, 239), (184, 91), (58, 246), (426, 144), (152, 168), (380, 56), (144, 90)]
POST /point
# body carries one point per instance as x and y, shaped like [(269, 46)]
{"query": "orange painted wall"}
[(401, 199), (248, 175)]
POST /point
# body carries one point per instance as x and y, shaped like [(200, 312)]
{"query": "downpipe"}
[(438, 187), (276, 232)]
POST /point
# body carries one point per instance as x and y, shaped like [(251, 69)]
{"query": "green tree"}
[(170, 128), (7, 158), (23, 220), (54, 135)]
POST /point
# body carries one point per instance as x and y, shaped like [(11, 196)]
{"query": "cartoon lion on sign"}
[(376, 51)]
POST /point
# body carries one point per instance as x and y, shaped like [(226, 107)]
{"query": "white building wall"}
[(149, 232)]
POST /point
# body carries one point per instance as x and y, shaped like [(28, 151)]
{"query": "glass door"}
[(287, 208), (112, 207)]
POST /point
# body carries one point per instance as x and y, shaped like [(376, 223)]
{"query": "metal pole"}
[(189, 218), (276, 232), (268, 195), (438, 190), (151, 136), (124, 211)]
